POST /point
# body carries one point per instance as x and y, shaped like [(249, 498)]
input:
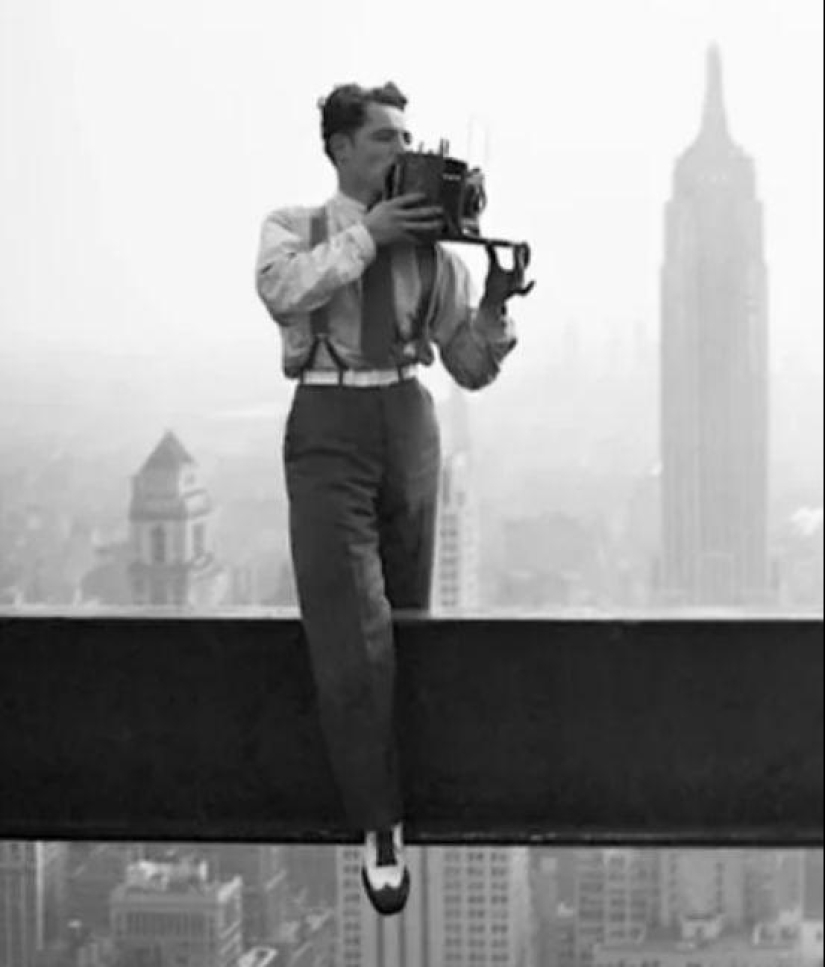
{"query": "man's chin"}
[(379, 182)]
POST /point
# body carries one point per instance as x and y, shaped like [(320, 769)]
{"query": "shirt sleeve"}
[(472, 342), (292, 278)]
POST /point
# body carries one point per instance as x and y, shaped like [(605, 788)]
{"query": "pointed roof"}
[(169, 454), (713, 150), (714, 116)]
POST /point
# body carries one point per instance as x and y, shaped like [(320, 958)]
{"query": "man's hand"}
[(501, 284), (402, 219)]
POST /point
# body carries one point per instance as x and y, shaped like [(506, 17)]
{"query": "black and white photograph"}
[(411, 483)]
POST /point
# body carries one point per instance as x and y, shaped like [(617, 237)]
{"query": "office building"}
[(714, 374), (176, 915)]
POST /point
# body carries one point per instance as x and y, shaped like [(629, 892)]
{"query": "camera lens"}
[(475, 198), (474, 201)]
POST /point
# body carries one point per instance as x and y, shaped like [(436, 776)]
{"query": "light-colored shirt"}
[(293, 279)]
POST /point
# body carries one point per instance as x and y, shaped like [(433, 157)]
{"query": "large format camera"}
[(451, 184)]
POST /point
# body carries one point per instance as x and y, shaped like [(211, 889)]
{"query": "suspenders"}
[(319, 318)]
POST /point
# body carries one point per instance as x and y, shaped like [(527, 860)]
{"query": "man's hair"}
[(344, 111)]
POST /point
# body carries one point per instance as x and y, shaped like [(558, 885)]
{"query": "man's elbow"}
[(474, 380), (473, 371), (272, 293)]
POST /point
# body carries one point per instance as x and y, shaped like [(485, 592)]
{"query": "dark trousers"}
[(362, 472)]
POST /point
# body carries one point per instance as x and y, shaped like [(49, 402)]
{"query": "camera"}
[(449, 183)]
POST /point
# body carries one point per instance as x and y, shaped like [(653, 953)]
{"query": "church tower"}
[(170, 523), (714, 373)]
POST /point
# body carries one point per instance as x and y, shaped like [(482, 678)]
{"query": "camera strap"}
[(425, 258)]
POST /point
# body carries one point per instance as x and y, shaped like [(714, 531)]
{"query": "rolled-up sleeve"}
[(472, 341), (293, 277)]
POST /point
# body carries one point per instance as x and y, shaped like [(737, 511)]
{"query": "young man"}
[(360, 303)]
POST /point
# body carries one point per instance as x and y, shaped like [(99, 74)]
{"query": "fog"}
[(145, 143)]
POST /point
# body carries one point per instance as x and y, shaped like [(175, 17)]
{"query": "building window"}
[(199, 540), (158, 545)]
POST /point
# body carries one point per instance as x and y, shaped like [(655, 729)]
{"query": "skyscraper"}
[(774, 885), (812, 884), (468, 906), (714, 373), (95, 869), (262, 871), (702, 884), (168, 914), (553, 880), (456, 571), (170, 517), (615, 898), (32, 898)]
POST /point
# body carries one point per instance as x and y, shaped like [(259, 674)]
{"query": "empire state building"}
[(714, 373)]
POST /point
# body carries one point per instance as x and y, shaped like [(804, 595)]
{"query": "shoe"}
[(384, 872)]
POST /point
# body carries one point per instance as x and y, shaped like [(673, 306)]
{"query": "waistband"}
[(358, 377)]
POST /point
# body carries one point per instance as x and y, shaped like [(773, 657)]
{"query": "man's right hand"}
[(403, 219)]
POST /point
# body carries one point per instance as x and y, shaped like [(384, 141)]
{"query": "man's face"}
[(365, 158)]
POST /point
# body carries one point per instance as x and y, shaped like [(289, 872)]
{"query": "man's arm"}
[(293, 278), (472, 341)]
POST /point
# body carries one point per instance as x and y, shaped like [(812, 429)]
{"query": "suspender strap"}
[(319, 317)]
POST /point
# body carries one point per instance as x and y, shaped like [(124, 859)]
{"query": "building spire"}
[(714, 117)]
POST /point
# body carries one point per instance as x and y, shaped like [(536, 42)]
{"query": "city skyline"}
[(58, 386), (232, 905), (129, 266), (585, 188), (475, 906)]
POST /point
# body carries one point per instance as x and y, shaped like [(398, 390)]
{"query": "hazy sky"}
[(143, 143)]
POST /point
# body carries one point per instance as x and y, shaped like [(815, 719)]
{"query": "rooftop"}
[(259, 957), (727, 944), (181, 877), (169, 454)]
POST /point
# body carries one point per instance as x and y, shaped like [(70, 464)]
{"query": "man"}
[(360, 302)]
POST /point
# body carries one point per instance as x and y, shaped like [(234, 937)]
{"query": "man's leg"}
[(409, 497), (333, 455), (406, 510)]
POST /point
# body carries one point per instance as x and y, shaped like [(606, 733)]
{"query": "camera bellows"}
[(378, 321)]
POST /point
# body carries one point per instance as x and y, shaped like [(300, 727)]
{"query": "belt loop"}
[(341, 377)]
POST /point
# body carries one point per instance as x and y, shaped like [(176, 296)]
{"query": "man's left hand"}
[(501, 284)]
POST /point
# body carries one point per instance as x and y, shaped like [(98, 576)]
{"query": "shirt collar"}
[(350, 206)]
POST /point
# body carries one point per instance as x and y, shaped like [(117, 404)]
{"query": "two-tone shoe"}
[(384, 871)]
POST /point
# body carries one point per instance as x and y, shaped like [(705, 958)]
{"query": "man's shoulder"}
[(294, 216)]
